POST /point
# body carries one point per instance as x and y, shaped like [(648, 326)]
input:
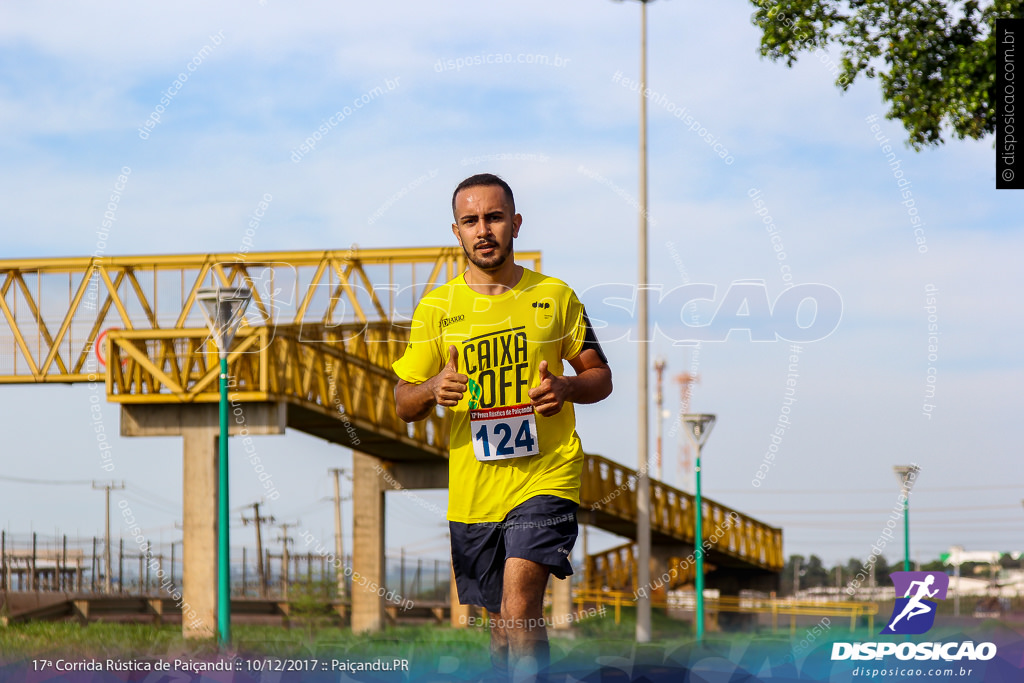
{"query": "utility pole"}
[(586, 573), (257, 520), (339, 547), (106, 538), (285, 540), (659, 402), (685, 381)]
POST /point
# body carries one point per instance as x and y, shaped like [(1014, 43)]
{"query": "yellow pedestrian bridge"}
[(314, 353)]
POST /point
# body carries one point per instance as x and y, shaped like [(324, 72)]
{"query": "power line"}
[(318, 504), (930, 531), (176, 504), (765, 491), (49, 482), (875, 511), (150, 504)]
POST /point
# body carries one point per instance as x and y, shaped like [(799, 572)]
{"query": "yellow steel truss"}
[(336, 372), (57, 308)]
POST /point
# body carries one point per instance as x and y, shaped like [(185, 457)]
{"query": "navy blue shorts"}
[(543, 529)]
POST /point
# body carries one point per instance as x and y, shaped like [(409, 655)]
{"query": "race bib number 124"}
[(502, 433)]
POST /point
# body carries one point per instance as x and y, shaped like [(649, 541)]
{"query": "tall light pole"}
[(955, 558), (643, 483), (223, 310), (698, 428), (907, 474)]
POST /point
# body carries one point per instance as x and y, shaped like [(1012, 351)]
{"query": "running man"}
[(489, 346), (914, 606)]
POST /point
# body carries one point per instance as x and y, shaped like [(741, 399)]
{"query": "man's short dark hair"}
[(484, 180)]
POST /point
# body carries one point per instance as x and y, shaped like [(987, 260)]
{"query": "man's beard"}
[(492, 262)]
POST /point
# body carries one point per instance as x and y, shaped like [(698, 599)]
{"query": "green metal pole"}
[(223, 554), (698, 542), (906, 533)]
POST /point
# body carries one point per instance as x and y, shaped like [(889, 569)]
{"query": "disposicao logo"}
[(914, 613)]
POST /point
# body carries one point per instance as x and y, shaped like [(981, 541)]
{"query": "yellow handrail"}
[(726, 603)]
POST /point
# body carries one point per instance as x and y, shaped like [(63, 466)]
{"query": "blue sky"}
[(75, 89)]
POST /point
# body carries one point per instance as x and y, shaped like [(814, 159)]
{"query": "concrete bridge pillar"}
[(459, 614), (371, 478), (199, 425), (561, 603), (368, 543)]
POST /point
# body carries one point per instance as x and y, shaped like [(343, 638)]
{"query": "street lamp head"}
[(698, 427), (907, 474), (223, 309)]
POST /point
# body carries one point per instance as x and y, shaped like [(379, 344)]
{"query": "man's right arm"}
[(414, 402)]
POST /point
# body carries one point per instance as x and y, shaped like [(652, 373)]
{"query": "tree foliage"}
[(815, 574), (935, 60)]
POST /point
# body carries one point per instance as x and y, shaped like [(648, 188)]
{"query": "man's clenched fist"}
[(449, 385), (548, 396)]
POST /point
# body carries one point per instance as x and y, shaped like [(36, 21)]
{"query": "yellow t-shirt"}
[(501, 341)]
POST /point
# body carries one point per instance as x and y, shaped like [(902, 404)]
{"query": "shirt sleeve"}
[(422, 358), (578, 334)]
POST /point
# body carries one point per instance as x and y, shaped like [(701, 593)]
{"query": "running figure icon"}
[(920, 590), (914, 606)]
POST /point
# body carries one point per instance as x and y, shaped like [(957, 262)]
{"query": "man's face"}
[(485, 225)]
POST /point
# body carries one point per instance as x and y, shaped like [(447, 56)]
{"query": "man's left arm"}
[(592, 383)]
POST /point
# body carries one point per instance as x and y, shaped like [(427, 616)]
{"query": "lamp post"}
[(698, 428), (907, 474), (223, 309), (955, 558)]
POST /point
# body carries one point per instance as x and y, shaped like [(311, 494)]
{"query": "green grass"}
[(42, 638), (427, 648), (108, 640), (312, 637), (309, 637)]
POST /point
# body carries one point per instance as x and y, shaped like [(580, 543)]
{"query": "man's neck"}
[(494, 282)]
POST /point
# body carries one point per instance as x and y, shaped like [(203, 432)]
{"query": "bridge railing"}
[(340, 371), (615, 569), (776, 607), (610, 487)]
